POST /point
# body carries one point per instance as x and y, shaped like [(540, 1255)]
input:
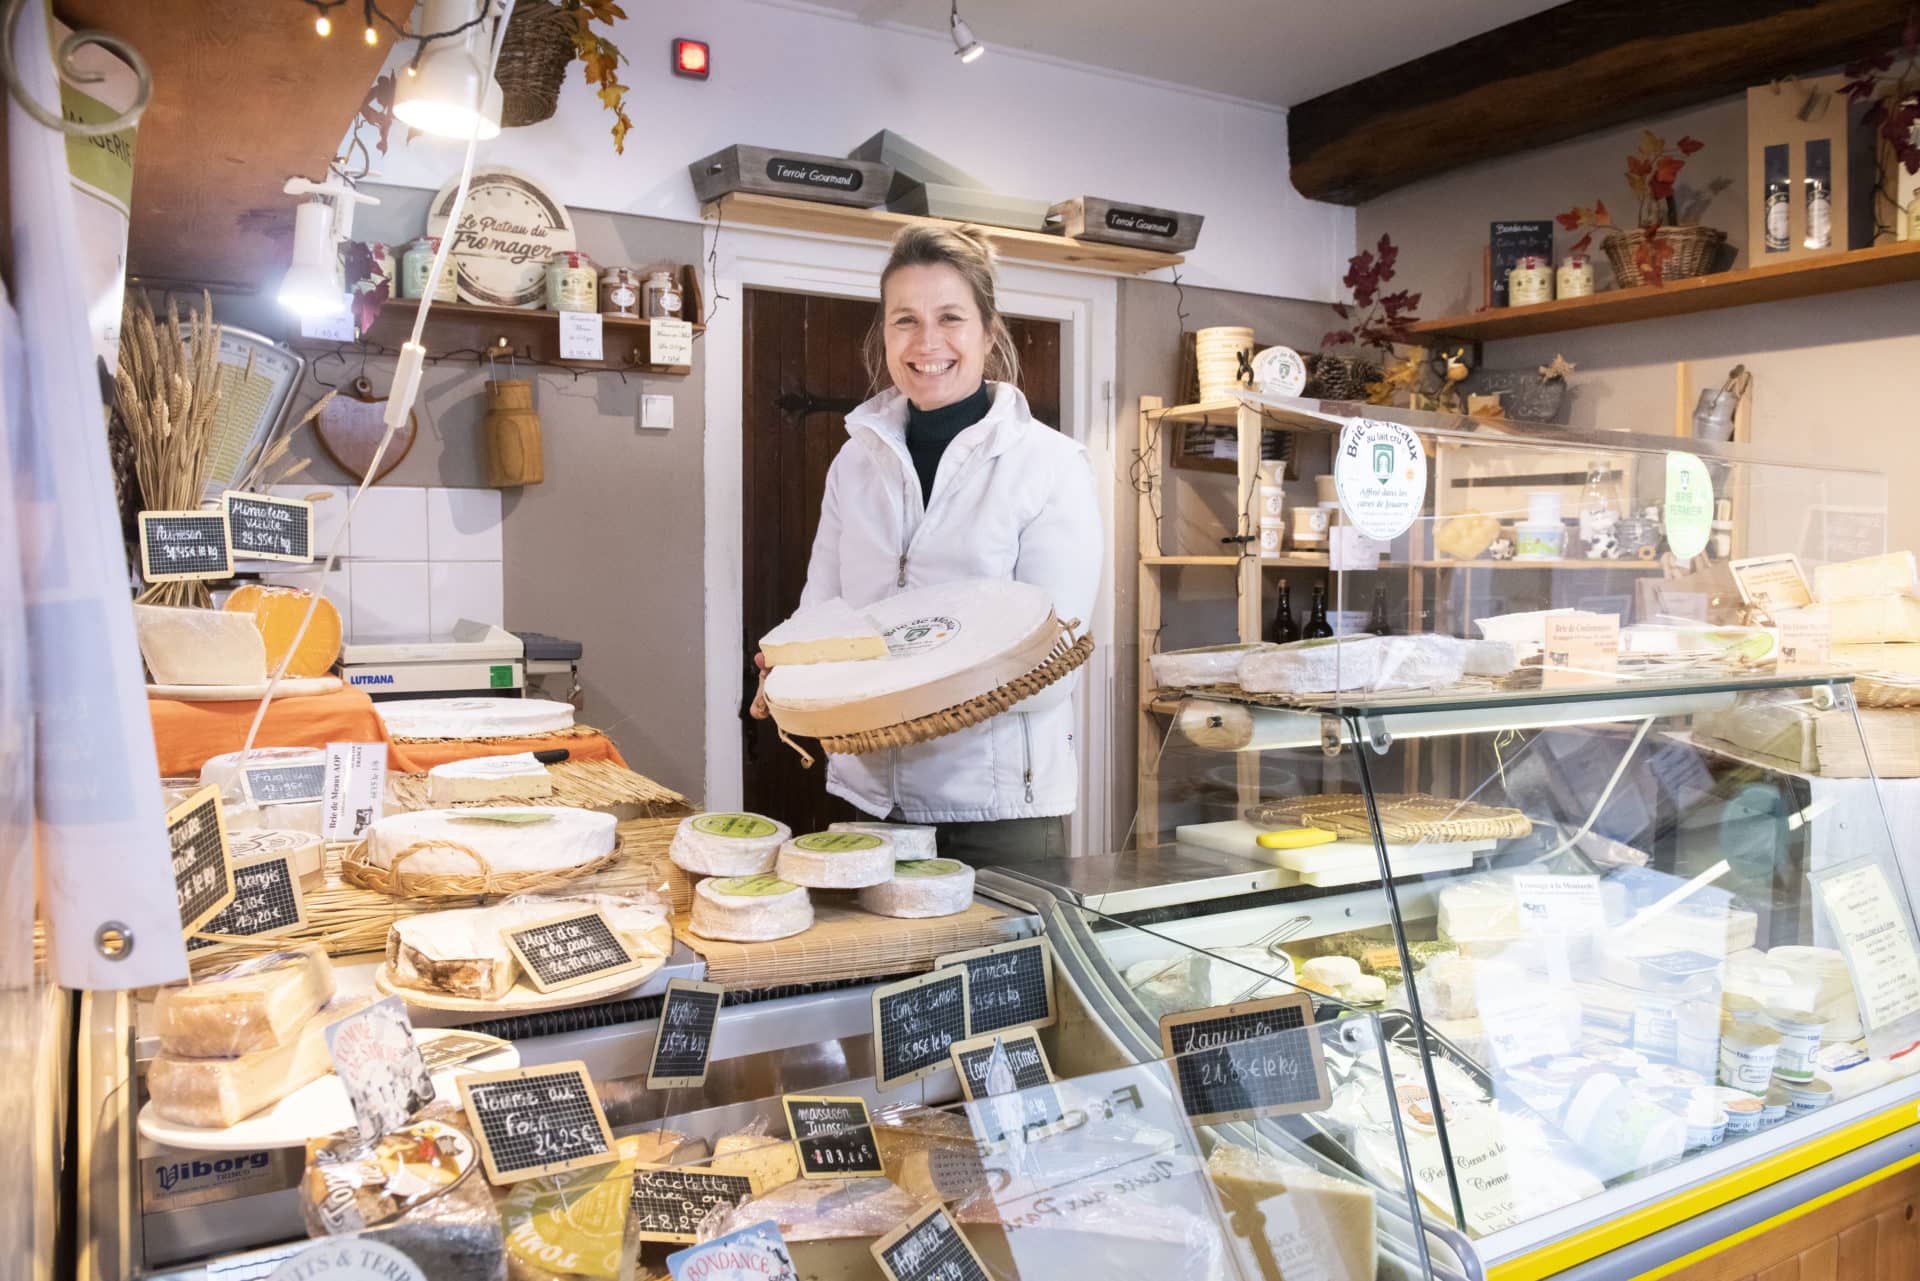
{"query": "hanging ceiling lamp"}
[(964, 45), (446, 93)]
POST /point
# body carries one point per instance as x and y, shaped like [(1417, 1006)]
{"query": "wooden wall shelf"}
[(879, 224), (1802, 278), (469, 331)]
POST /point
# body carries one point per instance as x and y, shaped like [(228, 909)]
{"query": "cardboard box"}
[(1796, 131)]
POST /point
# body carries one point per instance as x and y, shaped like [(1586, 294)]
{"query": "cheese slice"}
[(307, 854), (200, 646), (910, 840), (473, 717), (727, 844), (216, 1092), (923, 887), (1872, 620), (749, 909), (767, 1161), (830, 632), (1894, 574), (836, 860), (518, 777), (509, 838), (1310, 1224), (257, 1005)]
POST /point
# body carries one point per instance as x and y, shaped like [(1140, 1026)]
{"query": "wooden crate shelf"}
[(469, 328)]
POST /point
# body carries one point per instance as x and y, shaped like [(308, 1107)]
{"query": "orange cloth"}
[(416, 756), (186, 734)]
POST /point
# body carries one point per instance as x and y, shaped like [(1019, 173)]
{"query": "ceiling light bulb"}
[(964, 44), (445, 97), (312, 285), (323, 25), (373, 37)]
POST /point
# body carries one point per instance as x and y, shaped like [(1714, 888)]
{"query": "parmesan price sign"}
[(184, 544)]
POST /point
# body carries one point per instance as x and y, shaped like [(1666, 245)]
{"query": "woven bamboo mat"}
[(847, 943), (588, 785), (1404, 820)]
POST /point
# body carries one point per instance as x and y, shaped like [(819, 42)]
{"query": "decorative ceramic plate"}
[(509, 230), (1279, 371)]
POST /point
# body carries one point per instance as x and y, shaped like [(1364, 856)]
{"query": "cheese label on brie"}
[(765, 885), (838, 842), (740, 826), (920, 635)]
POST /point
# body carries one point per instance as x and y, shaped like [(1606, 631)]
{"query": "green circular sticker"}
[(929, 867), (764, 885), (838, 842), (740, 826)]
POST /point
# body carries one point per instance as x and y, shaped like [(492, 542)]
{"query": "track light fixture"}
[(965, 47)]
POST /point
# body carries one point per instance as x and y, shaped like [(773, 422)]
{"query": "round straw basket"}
[(533, 62), (358, 870), (1694, 250)]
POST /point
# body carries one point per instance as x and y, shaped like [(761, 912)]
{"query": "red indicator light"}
[(690, 59)]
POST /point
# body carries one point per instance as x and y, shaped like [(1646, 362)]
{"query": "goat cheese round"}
[(749, 909), (510, 838), (910, 840), (924, 887), (728, 844), (473, 717), (836, 860)]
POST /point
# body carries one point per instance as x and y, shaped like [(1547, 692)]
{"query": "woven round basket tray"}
[(358, 870)]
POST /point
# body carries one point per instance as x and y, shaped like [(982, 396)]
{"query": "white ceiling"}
[(1273, 51)]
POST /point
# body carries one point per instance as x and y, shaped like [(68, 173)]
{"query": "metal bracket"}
[(1330, 736), (1377, 736)]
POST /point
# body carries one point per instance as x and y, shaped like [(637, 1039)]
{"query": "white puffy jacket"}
[(1012, 499)]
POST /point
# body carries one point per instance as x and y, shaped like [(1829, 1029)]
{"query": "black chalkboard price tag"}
[(833, 1136), (1008, 985), (1256, 1058), (572, 949), (202, 863), (929, 1246), (535, 1121), (266, 901), (283, 784), (914, 1021), (669, 1201), (181, 545), (685, 1040), (1021, 1071), (1509, 242), (268, 528)]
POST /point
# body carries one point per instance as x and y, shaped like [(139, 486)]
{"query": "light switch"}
[(656, 411)]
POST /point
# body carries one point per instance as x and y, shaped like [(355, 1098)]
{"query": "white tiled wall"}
[(417, 560)]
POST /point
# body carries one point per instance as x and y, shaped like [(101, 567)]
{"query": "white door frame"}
[(1086, 306)]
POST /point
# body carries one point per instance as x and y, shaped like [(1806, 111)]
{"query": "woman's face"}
[(936, 338)]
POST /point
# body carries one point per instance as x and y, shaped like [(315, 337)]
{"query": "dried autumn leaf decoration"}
[(600, 60), (367, 277), (1385, 319)]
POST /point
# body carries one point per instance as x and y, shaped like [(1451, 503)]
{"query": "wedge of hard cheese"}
[(768, 1162), (1308, 1223), (255, 1006), (215, 1093), (1894, 574), (830, 632)]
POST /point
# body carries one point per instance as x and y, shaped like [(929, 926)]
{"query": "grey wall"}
[(608, 550)]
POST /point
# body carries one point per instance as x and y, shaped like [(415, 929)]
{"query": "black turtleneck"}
[(930, 431)]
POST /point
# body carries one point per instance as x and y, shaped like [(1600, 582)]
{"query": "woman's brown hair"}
[(973, 258)]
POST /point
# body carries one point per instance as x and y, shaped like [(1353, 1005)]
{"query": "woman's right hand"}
[(759, 710)]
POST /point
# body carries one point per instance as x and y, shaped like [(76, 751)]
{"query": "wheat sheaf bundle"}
[(167, 390)]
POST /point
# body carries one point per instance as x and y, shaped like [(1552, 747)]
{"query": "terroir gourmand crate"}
[(798, 174)]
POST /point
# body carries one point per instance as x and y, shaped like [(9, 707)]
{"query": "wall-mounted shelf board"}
[(468, 328)]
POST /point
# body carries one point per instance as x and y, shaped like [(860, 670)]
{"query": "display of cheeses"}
[(945, 645), (225, 770), (836, 860), (256, 1005), (922, 887), (830, 632), (306, 855), (463, 952), (200, 646), (214, 1092), (517, 777), (728, 844), (497, 839), (910, 840), (749, 909), (473, 717)]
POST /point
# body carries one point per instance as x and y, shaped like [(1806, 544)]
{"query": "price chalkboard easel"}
[(1256, 1058), (269, 528), (569, 950), (914, 1023), (266, 901), (670, 1201), (1008, 985), (684, 1042), (202, 862), (175, 546), (534, 1121), (833, 1137), (283, 784), (929, 1246)]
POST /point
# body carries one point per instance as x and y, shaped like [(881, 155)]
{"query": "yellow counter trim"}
[(1646, 1220)]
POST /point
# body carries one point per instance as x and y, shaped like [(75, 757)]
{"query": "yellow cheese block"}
[(1295, 838), (1295, 1222), (278, 611), (256, 1006), (768, 1162)]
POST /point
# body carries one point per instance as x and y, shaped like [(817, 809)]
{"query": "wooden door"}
[(803, 374)]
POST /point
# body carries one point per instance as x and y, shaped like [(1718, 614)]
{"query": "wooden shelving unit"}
[(468, 328), (878, 224), (1803, 278)]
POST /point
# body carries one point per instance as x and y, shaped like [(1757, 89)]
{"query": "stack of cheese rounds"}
[(836, 860), (920, 888), (910, 840), (728, 844)]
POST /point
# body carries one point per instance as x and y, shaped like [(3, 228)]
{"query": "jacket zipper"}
[(1026, 748)]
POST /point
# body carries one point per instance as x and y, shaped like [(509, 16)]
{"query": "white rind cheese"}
[(463, 952), (836, 860), (223, 771), (528, 838), (308, 854), (830, 632), (518, 777), (910, 840), (473, 717), (749, 909), (728, 844), (924, 887), (1894, 574), (200, 646)]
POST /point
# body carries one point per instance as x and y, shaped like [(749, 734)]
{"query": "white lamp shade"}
[(444, 96), (312, 285)]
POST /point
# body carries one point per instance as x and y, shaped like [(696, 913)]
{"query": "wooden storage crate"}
[(1107, 222), (796, 174)]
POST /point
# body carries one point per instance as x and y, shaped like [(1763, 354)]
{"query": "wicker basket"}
[(1694, 251), (359, 870), (533, 62)]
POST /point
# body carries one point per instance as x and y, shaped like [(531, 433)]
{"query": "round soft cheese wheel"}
[(836, 860), (728, 844), (533, 838), (473, 717), (923, 887), (749, 909), (910, 840), (308, 855)]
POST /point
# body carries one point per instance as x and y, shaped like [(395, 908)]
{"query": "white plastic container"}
[(1799, 1034), (1533, 541)]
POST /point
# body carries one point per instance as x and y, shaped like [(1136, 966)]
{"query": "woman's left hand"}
[(759, 710)]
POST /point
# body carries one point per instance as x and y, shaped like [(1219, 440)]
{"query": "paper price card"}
[(580, 336), (1875, 939), (1771, 583), (1806, 639), (669, 342), (1522, 1022), (1581, 649), (1487, 1191), (377, 1060), (354, 790), (1559, 905)]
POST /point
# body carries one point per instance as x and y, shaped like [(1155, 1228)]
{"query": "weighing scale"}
[(478, 658)]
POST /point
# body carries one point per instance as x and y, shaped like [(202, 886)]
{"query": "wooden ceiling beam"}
[(1563, 72)]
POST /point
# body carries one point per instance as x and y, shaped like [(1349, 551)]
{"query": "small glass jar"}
[(662, 296), (1575, 277), (571, 282), (417, 264), (620, 291), (1530, 281)]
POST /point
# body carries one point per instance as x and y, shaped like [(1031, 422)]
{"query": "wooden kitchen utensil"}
[(350, 427), (513, 434)]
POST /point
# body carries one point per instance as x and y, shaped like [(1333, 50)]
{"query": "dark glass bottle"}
[(1317, 625), (1377, 620), (1284, 627)]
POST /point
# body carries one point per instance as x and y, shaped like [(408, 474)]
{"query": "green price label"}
[(500, 676)]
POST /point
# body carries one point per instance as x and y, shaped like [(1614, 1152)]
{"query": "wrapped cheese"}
[(1894, 574), (767, 1161), (257, 1005), (1371, 663), (215, 1093)]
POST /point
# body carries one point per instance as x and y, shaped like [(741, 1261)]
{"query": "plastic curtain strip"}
[(100, 825)]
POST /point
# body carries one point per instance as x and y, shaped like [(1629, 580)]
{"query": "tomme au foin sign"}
[(1380, 473)]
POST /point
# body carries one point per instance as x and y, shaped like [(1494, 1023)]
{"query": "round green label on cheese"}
[(929, 867), (764, 885), (838, 842), (740, 826)]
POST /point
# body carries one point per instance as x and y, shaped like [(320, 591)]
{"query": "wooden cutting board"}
[(350, 428)]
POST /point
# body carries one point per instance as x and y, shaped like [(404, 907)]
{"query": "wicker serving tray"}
[(1404, 820)]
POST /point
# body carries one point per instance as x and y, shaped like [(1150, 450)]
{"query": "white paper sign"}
[(1559, 906), (669, 342), (338, 328), (1873, 935), (1486, 1186), (580, 335), (355, 789), (1806, 639), (1522, 1022), (1380, 473), (1348, 548)]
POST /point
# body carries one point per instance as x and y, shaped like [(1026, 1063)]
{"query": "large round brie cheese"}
[(910, 840), (836, 860), (924, 887), (473, 717), (727, 844), (749, 909), (509, 838)]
